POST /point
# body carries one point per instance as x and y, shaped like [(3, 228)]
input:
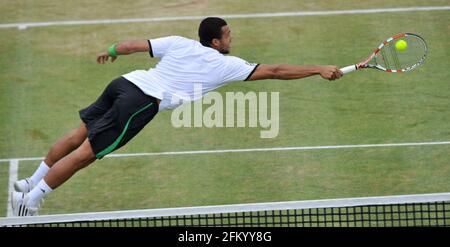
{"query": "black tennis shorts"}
[(117, 116)]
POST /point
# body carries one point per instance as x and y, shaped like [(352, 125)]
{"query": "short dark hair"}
[(210, 28)]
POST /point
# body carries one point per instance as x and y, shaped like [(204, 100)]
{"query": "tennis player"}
[(132, 100)]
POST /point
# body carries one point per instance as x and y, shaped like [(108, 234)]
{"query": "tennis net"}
[(386, 211)]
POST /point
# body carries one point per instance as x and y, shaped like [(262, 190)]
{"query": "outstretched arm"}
[(124, 48), (289, 72)]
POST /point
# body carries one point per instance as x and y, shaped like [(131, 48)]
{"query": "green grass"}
[(4, 174), (48, 74), (48, 10)]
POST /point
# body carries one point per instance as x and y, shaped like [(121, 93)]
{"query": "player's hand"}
[(330, 72), (103, 57)]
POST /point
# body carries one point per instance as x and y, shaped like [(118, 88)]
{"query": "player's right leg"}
[(61, 148), (28, 204), (66, 144)]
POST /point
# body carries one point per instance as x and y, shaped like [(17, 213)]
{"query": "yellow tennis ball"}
[(401, 45)]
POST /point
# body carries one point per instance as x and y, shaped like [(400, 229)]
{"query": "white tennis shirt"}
[(184, 68)]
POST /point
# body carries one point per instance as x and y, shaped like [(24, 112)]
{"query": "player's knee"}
[(85, 153), (77, 136), (81, 133)]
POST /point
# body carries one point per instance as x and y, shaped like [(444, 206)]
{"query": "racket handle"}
[(348, 69)]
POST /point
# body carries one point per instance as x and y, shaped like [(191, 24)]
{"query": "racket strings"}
[(389, 58), (385, 62), (394, 55), (406, 59)]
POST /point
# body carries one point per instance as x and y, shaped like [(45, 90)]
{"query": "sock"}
[(37, 193), (40, 173)]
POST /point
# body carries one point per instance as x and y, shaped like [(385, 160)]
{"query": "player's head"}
[(215, 33)]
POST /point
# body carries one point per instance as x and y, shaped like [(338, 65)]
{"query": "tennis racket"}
[(393, 57)]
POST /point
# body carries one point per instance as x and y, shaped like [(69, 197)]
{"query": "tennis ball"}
[(401, 45)]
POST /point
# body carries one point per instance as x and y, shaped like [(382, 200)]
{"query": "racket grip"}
[(348, 69)]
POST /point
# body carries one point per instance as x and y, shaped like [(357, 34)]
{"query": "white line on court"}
[(13, 169), (25, 25), (218, 151), (13, 163)]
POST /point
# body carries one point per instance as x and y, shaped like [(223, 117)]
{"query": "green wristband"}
[(112, 50)]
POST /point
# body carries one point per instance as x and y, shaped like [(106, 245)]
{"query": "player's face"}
[(225, 41)]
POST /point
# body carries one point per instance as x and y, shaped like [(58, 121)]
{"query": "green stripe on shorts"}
[(117, 141)]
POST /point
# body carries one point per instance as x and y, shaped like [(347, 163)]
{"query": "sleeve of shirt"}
[(237, 69), (160, 46)]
